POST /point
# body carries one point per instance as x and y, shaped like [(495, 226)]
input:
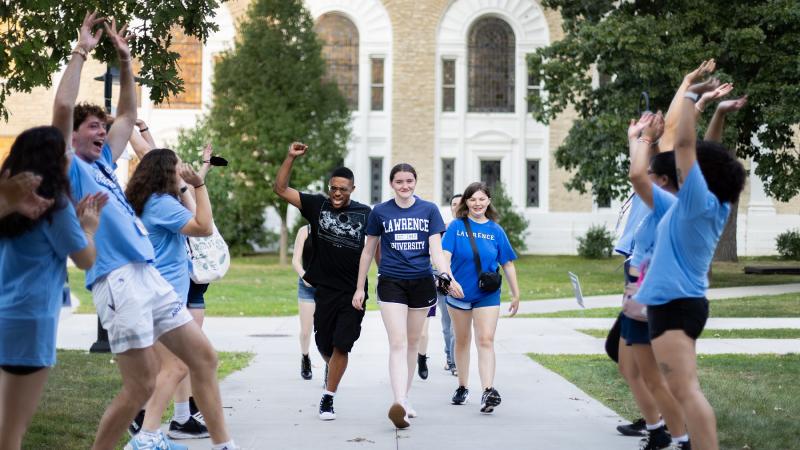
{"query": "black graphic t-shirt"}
[(338, 238)]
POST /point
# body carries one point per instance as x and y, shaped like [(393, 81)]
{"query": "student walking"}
[(301, 259)]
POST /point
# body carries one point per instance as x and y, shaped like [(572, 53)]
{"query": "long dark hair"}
[(663, 164), (40, 150), (463, 211), (155, 174)]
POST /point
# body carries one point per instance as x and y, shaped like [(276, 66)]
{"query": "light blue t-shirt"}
[(119, 240), (686, 238), (645, 235), (404, 236), (32, 276), (164, 216), (636, 213), (494, 250)]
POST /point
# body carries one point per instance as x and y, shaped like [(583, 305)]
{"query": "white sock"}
[(655, 426), (679, 439), (146, 435), (181, 414), (327, 392), (224, 445)]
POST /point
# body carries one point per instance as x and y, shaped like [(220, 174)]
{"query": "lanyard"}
[(118, 191)]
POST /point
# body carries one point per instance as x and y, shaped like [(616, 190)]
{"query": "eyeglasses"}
[(334, 189)]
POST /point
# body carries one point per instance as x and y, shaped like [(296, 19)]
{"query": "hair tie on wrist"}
[(145, 129), (199, 185), (645, 140)]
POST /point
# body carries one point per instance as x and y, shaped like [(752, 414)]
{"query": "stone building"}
[(439, 84)]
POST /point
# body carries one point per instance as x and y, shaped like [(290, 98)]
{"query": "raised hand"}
[(729, 106), (721, 91), (20, 194), (297, 149), (705, 68), (86, 39), (635, 127), (706, 86), (655, 128), (89, 209), (189, 175), (120, 39)]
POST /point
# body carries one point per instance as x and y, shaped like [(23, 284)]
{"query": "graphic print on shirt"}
[(341, 228), (410, 233)]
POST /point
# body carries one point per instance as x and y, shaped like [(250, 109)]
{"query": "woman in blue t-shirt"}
[(408, 229), (154, 190), (478, 309), (33, 271)]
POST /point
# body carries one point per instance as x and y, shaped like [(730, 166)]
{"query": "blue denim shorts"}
[(304, 293), (467, 306)]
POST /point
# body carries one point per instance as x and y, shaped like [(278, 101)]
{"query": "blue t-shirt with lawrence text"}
[(32, 277), (494, 250), (645, 235), (164, 216), (686, 238), (118, 239), (404, 236)]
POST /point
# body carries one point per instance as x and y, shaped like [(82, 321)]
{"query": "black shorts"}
[(634, 331), (417, 293), (687, 314), (336, 322), (21, 370), (196, 297)]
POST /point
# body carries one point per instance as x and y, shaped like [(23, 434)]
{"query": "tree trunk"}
[(284, 240), (726, 248)]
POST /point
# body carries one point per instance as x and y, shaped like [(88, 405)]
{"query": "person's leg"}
[(657, 386), (447, 330), (197, 308), (184, 390), (173, 370), (337, 365), (641, 395), (416, 324), (306, 310), (462, 328), (484, 321), (19, 398), (395, 320), (138, 368), (675, 353)]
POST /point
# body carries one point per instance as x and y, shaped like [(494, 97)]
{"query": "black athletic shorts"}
[(22, 370), (417, 293), (336, 322), (196, 297), (687, 314)]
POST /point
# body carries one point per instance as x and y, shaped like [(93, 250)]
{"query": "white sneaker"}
[(410, 411)]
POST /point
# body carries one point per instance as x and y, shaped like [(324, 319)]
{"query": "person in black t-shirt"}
[(337, 236)]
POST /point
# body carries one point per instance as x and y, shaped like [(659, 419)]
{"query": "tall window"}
[(532, 181), (377, 84), (491, 66), (375, 177), (448, 85), (340, 50), (190, 68), (534, 87), (448, 179), (490, 173)]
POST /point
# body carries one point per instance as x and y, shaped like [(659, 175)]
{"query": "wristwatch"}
[(692, 96)]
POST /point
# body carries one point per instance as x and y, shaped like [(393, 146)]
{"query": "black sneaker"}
[(194, 411), (422, 366), (685, 445), (326, 411), (636, 428), (305, 367), (489, 400), (657, 439), (461, 395), (136, 426), (192, 429)]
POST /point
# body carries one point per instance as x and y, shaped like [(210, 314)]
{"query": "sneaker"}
[(397, 414), (410, 411), (136, 426), (635, 428), (461, 395), (192, 429), (194, 411), (326, 411), (422, 366), (160, 442), (305, 367), (451, 366), (489, 400), (685, 445), (657, 439)]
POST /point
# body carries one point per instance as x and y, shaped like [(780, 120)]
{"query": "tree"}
[(649, 46), (269, 92), (37, 37), (514, 224)]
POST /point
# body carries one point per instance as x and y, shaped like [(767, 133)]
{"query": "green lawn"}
[(786, 305), (259, 286), (751, 333), (80, 387), (754, 396)]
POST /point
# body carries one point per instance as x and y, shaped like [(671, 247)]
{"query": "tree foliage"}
[(269, 92), (37, 37), (649, 46), (514, 224)]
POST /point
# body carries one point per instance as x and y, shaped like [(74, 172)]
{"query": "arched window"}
[(340, 50), (491, 66)]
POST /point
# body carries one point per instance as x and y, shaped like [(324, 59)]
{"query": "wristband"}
[(692, 96), (199, 185), (78, 50), (645, 140)]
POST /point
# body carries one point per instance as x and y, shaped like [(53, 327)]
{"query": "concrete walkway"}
[(268, 405)]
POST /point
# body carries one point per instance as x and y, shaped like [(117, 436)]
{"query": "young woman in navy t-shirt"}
[(408, 229)]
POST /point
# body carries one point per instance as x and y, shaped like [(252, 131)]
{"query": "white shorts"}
[(137, 305)]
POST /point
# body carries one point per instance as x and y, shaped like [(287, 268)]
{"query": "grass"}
[(742, 333), (80, 387), (259, 286), (754, 396), (785, 305)]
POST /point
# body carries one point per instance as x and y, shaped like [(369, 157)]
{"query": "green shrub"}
[(514, 224), (597, 243), (788, 244)]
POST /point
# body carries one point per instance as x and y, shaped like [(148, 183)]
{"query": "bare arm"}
[(139, 144), (88, 212), (511, 276), (202, 222), (667, 141), (297, 253), (281, 186), (641, 150), (717, 124), (363, 268), (120, 133)]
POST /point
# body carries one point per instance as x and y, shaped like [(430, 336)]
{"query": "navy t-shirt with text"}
[(404, 234)]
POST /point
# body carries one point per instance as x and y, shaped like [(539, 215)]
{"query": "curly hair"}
[(84, 110), (155, 174), (463, 210), (40, 150)]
